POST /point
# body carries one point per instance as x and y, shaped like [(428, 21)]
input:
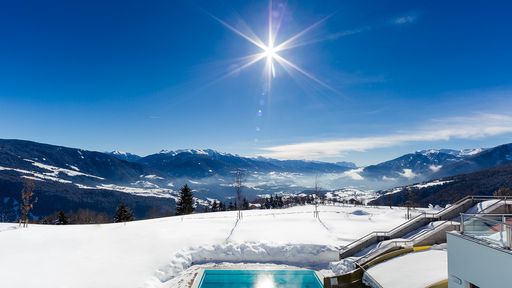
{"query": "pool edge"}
[(198, 279)]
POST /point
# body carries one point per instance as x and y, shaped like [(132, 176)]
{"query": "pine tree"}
[(214, 206), (123, 214), (267, 203), (279, 201), (231, 206), (245, 204), (222, 206), (185, 204), (62, 219)]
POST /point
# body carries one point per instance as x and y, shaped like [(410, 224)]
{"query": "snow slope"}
[(151, 253)]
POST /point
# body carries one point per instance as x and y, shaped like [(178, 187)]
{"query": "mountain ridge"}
[(71, 177)]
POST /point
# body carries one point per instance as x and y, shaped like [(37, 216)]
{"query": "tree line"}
[(185, 204)]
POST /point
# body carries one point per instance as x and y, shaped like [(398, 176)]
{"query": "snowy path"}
[(149, 253)]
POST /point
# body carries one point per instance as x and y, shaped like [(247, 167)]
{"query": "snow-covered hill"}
[(159, 252)]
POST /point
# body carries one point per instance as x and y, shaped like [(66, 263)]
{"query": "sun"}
[(270, 51)]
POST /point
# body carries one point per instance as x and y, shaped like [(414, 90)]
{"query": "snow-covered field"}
[(154, 253)]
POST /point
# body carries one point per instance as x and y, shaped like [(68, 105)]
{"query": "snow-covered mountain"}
[(200, 163), (69, 178), (484, 159), (419, 165), (124, 156), (449, 189)]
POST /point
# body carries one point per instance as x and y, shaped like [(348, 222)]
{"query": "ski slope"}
[(151, 253)]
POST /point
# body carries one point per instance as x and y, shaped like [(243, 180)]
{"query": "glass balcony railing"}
[(491, 228)]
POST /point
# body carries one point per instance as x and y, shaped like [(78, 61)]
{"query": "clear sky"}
[(384, 77)]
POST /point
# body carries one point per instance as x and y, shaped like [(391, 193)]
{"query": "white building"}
[(480, 254)]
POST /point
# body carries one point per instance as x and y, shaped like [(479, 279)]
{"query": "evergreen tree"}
[(245, 204), (279, 201), (62, 219), (123, 214), (267, 203), (231, 206), (214, 206), (185, 204), (222, 206)]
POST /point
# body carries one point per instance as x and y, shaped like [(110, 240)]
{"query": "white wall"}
[(477, 263)]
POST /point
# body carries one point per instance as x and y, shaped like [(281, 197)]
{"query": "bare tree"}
[(26, 201), (317, 196), (317, 187), (503, 191), (239, 183)]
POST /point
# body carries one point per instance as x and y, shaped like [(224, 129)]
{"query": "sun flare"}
[(270, 50)]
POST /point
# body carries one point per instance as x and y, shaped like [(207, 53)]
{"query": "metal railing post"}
[(461, 223), (508, 229)]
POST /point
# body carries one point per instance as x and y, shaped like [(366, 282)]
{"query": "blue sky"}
[(397, 76)]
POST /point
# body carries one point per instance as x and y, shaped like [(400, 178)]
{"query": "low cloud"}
[(354, 174), (469, 127), (408, 174)]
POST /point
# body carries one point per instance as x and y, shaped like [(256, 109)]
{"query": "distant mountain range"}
[(425, 164), (448, 189), (69, 178), (197, 163)]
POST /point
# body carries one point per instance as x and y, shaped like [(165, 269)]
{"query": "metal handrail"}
[(495, 204), (399, 243), (479, 216), (402, 242), (383, 233), (435, 216)]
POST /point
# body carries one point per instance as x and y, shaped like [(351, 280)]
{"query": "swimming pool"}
[(260, 279)]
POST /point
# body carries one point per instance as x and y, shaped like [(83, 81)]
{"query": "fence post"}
[(461, 223)]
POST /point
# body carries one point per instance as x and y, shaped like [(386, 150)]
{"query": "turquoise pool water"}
[(260, 279)]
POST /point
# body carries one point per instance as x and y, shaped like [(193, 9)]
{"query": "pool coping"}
[(199, 277)]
